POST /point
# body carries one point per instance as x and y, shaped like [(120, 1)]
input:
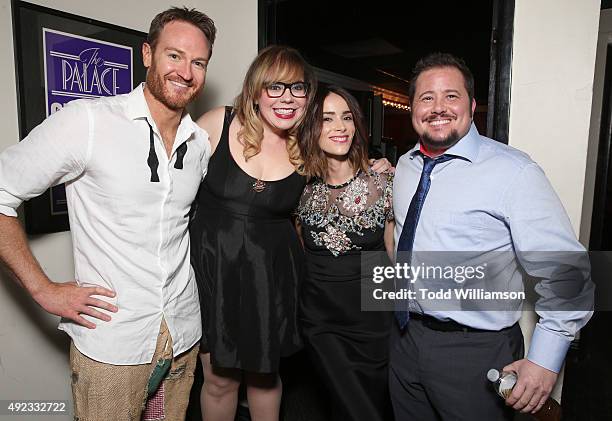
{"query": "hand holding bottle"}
[(506, 382), (533, 386)]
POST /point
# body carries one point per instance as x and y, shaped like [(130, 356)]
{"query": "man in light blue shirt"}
[(457, 191)]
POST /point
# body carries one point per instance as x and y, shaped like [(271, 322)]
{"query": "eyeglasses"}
[(297, 89)]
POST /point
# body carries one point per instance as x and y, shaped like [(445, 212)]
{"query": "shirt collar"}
[(137, 107), (466, 147)]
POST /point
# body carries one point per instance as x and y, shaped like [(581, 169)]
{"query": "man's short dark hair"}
[(436, 60), (196, 18)]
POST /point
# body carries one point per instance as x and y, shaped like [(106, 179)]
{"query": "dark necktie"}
[(152, 160), (406, 240)]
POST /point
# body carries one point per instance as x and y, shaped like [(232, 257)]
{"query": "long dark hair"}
[(315, 160)]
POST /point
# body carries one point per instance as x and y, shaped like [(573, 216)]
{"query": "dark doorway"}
[(601, 222), (372, 46), (587, 395)]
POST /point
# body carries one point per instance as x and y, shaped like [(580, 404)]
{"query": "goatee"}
[(440, 144)]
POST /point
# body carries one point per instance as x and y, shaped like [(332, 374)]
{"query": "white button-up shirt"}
[(129, 234)]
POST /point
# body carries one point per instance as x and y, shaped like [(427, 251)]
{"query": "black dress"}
[(248, 262), (348, 347)]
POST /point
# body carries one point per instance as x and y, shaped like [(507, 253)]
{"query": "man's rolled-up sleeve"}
[(54, 152)]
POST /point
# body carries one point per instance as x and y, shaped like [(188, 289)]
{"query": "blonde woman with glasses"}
[(245, 252)]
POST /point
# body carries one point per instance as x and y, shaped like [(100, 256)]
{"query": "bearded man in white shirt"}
[(132, 165)]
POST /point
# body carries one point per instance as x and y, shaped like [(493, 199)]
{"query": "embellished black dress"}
[(248, 263), (348, 347)]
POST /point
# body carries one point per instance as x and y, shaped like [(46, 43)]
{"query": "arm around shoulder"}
[(212, 123)]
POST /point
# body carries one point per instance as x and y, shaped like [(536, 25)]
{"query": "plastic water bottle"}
[(504, 381)]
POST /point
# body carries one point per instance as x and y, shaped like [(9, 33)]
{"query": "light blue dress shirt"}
[(496, 199)]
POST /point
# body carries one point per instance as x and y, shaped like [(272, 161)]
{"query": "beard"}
[(440, 144), (156, 84)]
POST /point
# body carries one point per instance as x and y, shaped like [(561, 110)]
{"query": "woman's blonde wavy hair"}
[(275, 63)]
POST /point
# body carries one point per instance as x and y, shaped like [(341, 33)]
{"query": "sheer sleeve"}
[(388, 198), (301, 210), (381, 195)]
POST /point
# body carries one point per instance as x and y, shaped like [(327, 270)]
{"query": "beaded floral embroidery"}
[(332, 219), (355, 197), (335, 240)]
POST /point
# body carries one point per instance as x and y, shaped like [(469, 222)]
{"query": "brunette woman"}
[(345, 210)]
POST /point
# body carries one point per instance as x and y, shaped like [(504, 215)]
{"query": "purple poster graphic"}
[(80, 67)]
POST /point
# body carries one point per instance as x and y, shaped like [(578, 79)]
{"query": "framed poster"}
[(61, 57)]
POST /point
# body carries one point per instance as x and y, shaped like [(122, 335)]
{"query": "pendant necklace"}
[(259, 186)]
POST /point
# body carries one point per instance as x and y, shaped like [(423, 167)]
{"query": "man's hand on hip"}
[(533, 386), (71, 301)]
